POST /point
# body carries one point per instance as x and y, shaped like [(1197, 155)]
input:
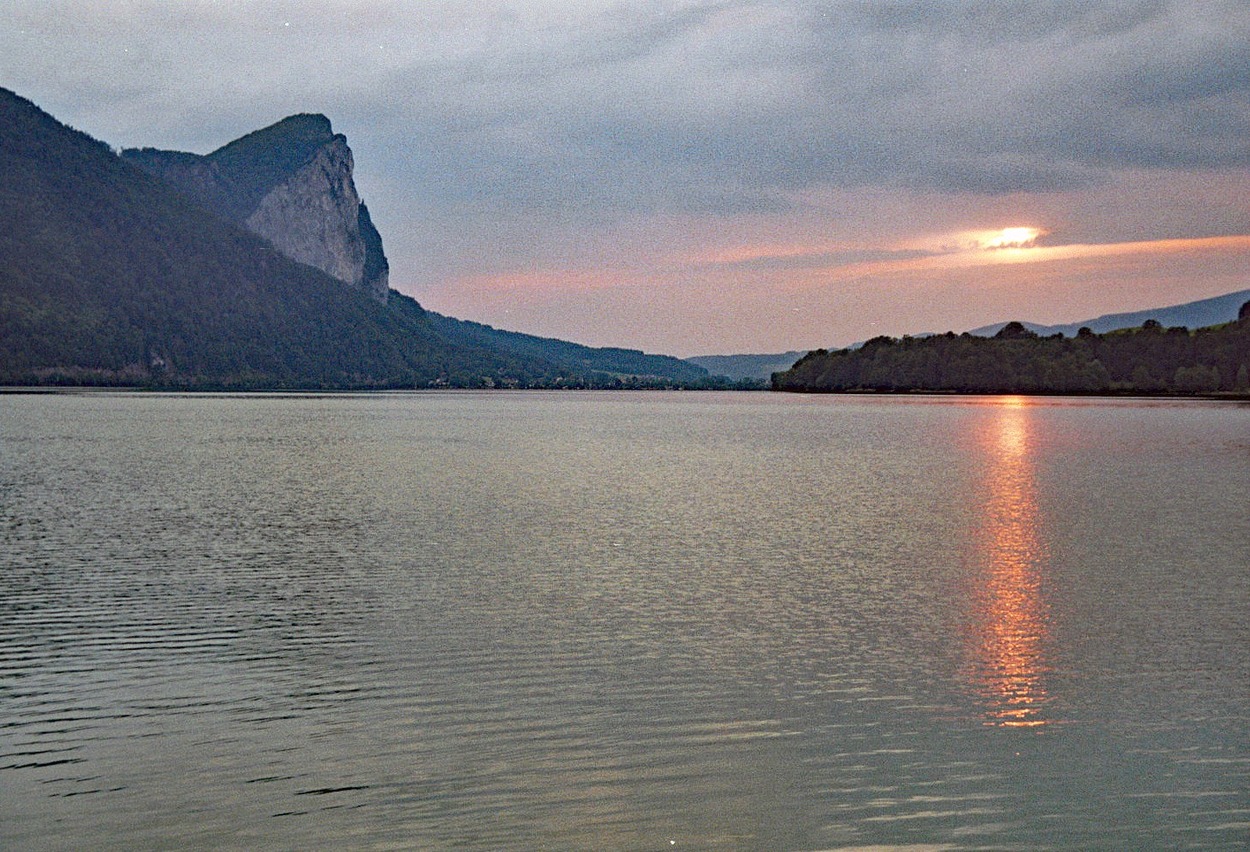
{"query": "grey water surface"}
[(520, 620)]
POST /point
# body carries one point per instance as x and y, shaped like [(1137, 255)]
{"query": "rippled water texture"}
[(647, 621)]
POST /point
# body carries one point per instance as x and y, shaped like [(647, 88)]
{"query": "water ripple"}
[(669, 621)]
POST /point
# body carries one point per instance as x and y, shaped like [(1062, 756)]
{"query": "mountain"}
[(113, 273), (739, 367), (1145, 360), (1199, 314), (292, 184)]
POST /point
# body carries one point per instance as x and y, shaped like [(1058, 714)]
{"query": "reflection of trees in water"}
[(1011, 615)]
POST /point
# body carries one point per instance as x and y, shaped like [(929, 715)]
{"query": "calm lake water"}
[(623, 621)]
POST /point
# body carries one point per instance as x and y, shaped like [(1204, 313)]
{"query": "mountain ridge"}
[(110, 275), (1195, 314)]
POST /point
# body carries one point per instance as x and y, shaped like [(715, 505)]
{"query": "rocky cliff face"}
[(314, 215), (292, 184)]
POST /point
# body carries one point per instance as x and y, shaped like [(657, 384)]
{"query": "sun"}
[(1017, 237), (1008, 241)]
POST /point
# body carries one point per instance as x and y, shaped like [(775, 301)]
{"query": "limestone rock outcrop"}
[(314, 215), (291, 183)]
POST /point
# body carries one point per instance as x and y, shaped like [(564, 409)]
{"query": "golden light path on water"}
[(1011, 615)]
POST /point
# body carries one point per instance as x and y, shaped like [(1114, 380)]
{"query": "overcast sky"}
[(726, 176)]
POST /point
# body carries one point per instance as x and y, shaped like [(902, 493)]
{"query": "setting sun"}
[(1019, 237), (988, 239)]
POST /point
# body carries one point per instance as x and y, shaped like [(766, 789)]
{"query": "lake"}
[(518, 620)]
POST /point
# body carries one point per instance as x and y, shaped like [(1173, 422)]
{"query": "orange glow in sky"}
[(986, 255), (774, 294)]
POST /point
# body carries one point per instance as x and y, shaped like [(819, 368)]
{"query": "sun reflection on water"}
[(1011, 618)]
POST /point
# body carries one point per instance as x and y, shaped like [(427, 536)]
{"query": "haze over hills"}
[(196, 272), (739, 367)]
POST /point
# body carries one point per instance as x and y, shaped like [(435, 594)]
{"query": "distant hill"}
[(1199, 314), (110, 274), (739, 367), (574, 358), (1145, 360)]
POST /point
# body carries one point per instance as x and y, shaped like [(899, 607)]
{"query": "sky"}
[(717, 176)]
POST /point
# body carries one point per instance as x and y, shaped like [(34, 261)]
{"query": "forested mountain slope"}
[(108, 275)]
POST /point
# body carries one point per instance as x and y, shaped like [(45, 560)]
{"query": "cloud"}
[(816, 259), (726, 105), (716, 106)]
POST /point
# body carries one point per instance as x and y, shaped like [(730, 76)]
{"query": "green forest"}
[(1149, 359)]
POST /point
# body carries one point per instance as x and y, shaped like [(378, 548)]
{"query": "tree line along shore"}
[(1149, 359)]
